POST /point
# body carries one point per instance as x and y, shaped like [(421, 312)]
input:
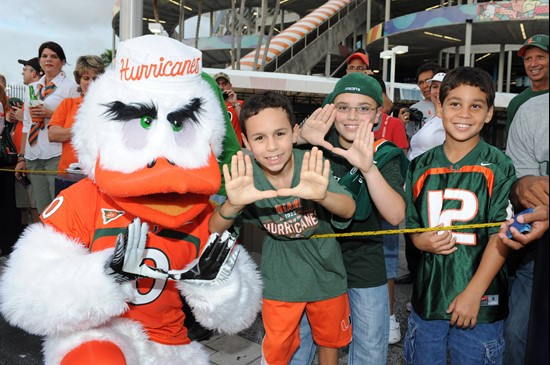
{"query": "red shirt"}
[(393, 130), (235, 120)]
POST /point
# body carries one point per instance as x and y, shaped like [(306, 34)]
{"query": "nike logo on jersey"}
[(485, 163), (110, 215)]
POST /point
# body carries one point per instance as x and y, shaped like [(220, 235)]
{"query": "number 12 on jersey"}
[(467, 211)]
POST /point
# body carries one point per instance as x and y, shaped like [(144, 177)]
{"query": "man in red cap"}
[(358, 62)]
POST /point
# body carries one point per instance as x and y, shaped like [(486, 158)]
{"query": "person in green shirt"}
[(291, 195), (373, 171), (459, 299), (534, 53)]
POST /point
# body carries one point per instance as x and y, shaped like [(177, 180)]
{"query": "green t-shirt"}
[(364, 256), (294, 267), (515, 103), (473, 190)]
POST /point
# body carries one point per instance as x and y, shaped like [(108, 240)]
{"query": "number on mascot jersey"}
[(467, 211), (151, 293)]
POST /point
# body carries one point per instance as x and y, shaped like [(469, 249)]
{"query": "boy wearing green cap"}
[(373, 172)]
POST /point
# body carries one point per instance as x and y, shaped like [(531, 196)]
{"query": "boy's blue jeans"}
[(370, 318), (427, 342)]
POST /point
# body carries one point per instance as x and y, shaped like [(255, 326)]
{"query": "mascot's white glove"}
[(212, 267), (127, 261), (215, 263)]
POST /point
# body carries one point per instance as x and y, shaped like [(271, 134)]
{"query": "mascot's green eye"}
[(177, 125), (146, 122)]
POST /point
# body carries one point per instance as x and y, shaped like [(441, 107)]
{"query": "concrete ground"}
[(19, 348)]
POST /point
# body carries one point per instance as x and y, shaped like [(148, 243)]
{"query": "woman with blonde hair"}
[(87, 69)]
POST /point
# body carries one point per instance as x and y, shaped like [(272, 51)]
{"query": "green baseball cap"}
[(357, 83), (538, 40)]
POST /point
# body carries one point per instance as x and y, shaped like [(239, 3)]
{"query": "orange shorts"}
[(329, 319)]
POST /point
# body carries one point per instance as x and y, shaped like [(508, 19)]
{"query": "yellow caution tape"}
[(43, 172), (333, 235), (407, 230)]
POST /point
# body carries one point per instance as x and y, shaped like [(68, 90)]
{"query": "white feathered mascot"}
[(101, 276)]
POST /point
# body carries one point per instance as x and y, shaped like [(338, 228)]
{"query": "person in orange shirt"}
[(87, 69)]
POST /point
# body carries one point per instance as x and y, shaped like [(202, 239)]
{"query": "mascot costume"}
[(103, 274)]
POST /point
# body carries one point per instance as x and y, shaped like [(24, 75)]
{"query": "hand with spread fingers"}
[(361, 152), (215, 263), (316, 127), (314, 178), (127, 262), (239, 182)]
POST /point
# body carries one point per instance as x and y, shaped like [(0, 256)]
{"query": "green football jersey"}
[(295, 267), (473, 190)]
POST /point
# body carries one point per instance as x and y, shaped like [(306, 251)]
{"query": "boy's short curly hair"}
[(471, 76), (267, 99)]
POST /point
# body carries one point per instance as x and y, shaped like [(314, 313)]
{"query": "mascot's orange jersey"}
[(84, 213)]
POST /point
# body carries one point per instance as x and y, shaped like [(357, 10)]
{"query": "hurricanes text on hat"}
[(538, 40), (357, 83), (152, 61), (33, 62), (437, 77), (363, 57), (222, 75)]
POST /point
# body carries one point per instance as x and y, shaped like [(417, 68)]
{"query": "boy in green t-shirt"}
[(291, 195), (373, 171), (459, 295)]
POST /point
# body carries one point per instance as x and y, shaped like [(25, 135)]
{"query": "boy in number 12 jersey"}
[(459, 295)]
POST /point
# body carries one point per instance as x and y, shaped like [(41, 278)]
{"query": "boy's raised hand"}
[(316, 127), (361, 152), (239, 183), (313, 177), (433, 242)]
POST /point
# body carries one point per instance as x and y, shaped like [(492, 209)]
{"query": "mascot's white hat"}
[(153, 124)]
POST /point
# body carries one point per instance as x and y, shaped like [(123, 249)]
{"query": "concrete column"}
[(457, 56), (472, 60), (468, 42), (447, 60), (392, 77), (211, 23), (369, 14), (131, 19), (500, 68), (509, 72), (386, 42), (440, 58), (327, 64)]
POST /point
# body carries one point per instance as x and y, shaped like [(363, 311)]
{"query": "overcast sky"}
[(81, 27)]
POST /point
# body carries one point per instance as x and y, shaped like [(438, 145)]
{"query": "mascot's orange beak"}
[(162, 192)]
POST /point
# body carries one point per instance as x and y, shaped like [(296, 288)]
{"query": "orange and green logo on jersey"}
[(110, 215)]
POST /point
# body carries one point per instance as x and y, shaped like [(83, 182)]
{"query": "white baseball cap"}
[(437, 77)]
